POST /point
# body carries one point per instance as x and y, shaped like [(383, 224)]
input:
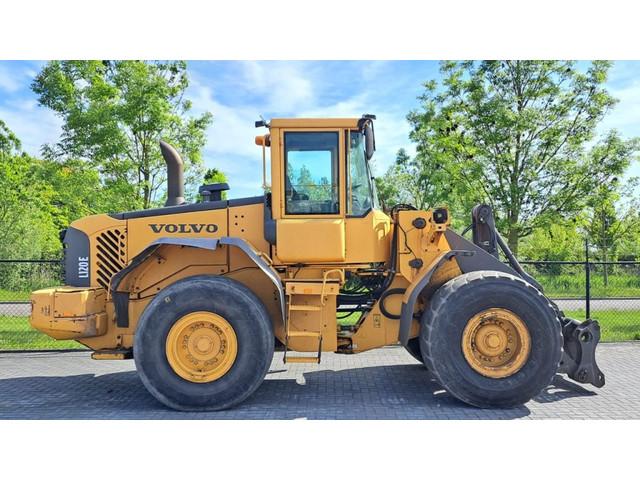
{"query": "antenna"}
[(262, 122)]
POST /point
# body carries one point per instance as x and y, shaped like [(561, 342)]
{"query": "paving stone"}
[(382, 384)]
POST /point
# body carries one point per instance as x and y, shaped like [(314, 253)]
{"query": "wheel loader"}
[(201, 294)]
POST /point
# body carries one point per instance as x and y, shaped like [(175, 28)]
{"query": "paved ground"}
[(382, 384)]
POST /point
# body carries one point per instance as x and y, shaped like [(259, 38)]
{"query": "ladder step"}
[(112, 355), (307, 308), (302, 333), (302, 360)]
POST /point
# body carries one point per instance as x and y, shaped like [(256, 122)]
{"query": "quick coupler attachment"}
[(579, 357)]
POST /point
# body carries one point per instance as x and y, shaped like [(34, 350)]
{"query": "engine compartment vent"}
[(110, 255)]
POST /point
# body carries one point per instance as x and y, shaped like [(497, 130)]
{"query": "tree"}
[(612, 218), (409, 180), (213, 175), (514, 134), (27, 228), (9, 142), (78, 190), (114, 114), (560, 241)]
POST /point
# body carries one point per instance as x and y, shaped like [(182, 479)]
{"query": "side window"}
[(359, 184), (311, 173)]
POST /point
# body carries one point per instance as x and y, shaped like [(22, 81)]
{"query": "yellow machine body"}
[(311, 255), (195, 292)]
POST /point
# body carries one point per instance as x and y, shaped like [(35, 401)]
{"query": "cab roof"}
[(314, 122)]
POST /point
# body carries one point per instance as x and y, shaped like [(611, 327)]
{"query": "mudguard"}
[(411, 294), (121, 298)]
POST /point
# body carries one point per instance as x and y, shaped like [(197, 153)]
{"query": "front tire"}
[(413, 348), (491, 339), (203, 343)]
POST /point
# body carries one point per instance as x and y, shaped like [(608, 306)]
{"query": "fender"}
[(470, 258), (413, 291), (121, 298)]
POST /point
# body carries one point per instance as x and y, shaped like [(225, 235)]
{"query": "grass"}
[(615, 325), (17, 334), (574, 285), (13, 296)]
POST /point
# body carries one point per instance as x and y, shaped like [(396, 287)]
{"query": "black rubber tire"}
[(454, 303), (231, 300), (413, 347)]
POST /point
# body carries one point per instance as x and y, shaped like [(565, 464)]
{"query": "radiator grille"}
[(111, 255)]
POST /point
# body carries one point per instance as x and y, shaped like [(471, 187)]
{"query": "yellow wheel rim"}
[(496, 343), (201, 347)]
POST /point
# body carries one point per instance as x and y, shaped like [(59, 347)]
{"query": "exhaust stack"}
[(175, 175)]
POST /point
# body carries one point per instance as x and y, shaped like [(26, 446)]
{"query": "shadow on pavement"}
[(381, 392), (561, 388)]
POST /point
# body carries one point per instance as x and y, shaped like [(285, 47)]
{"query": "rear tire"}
[(251, 332), (477, 295)]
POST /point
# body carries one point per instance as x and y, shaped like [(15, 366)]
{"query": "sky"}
[(237, 93)]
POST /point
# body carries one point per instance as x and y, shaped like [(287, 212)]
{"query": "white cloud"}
[(10, 80), (232, 131), (34, 125), (230, 140), (19, 109), (391, 127), (625, 116), (289, 89), (285, 86)]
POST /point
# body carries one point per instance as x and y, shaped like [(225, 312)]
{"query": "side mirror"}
[(369, 140)]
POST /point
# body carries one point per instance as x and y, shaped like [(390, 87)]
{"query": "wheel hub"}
[(496, 343), (201, 347)]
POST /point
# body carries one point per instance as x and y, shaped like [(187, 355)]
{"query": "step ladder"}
[(292, 308), (301, 333)]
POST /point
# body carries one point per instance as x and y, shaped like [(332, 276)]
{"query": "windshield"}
[(360, 185)]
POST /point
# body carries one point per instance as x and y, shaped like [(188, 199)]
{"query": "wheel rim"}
[(201, 347), (496, 343)]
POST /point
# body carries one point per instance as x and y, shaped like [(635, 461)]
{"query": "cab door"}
[(311, 225)]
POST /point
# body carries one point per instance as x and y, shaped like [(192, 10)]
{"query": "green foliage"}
[(408, 180), (573, 284), (558, 242), (114, 114), (213, 175), (107, 159), (424, 185), (616, 325), (9, 143), (515, 134), (613, 220), (305, 184), (26, 216)]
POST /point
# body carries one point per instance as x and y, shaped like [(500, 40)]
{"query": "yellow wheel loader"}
[(201, 294)]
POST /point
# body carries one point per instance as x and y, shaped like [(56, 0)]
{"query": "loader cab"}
[(323, 196)]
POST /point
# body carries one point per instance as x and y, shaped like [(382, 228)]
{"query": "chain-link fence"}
[(605, 291), (17, 279)]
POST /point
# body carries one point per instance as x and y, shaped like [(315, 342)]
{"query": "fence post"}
[(587, 272)]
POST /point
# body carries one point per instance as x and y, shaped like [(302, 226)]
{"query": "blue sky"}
[(238, 92)]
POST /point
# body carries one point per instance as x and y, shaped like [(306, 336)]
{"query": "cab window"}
[(311, 173), (359, 184)]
